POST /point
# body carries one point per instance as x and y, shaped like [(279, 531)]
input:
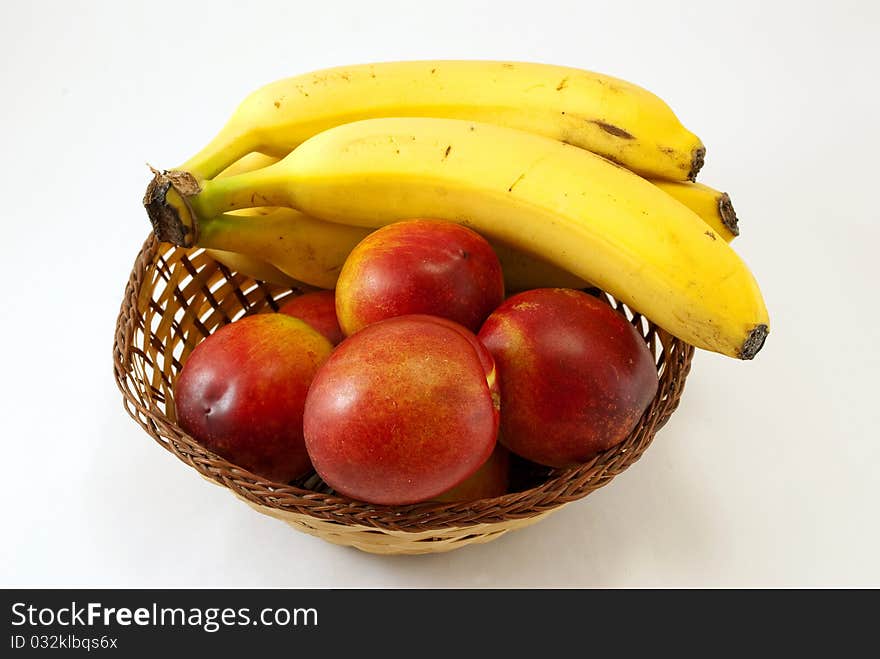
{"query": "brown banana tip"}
[(728, 215), (698, 157), (168, 224), (754, 342)]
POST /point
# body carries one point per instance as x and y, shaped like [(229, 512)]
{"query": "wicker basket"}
[(177, 297)]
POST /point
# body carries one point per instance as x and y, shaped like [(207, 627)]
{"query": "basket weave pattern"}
[(176, 297)]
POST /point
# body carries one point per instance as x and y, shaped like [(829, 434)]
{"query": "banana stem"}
[(176, 202), (167, 208), (231, 233)]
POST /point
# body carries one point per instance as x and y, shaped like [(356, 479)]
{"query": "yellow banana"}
[(608, 116), (298, 247), (292, 249), (313, 251), (254, 267), (301, 247), (523, 271), (279, 240), (302, 258), (289, 248), (581, 212), (712, 205), (248, 163), (250, 265)]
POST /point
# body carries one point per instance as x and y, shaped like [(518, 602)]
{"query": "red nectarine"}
[(242, 391), (402, 411), (318, 309), (490, 480), (419, 267), (575, 376)]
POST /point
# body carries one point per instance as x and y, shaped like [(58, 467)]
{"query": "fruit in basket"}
[(419, 267), (608, 116), (318, 310), (402, 411), (575, 376), (578, 211), (490, 480), (567, 218), (242, 391)]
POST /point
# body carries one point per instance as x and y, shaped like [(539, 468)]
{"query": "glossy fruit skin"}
[(419, 267), (317, 309), (490, 480), (402, 411), (242, 391), (575, 377)]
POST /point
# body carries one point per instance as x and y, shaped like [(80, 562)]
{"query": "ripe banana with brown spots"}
[(290, 248), (611, 117)]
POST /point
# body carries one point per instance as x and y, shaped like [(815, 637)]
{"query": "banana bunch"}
[(574, 177)]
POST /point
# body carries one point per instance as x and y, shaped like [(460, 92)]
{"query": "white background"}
[(766, 476)]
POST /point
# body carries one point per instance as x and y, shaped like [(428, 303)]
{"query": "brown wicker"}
[(176, 297)]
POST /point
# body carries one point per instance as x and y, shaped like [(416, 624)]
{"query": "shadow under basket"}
[(176, 297)]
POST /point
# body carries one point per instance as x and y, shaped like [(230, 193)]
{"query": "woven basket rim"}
[(560, 487)]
